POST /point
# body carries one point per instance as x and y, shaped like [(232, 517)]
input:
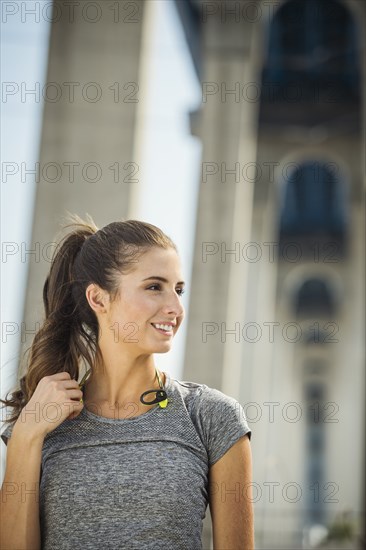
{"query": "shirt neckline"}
[(167, 386)]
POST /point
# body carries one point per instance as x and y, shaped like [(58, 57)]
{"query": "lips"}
[(163, 328)]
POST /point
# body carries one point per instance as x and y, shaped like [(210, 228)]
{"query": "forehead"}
[(158, 261)]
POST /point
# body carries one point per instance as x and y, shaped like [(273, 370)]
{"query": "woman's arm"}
[(230, 494), (20, 524)]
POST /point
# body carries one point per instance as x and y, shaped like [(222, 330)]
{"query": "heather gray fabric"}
[(138, 483)]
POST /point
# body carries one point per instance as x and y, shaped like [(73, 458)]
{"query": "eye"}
[(152, 287), (157, 286)]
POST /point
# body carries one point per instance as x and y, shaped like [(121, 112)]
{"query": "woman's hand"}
[(55, 399)]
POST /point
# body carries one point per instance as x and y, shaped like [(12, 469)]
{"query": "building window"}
[(314, 44), (314, 299), (312, 71), (313, 201)]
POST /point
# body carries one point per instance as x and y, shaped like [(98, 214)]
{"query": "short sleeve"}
[(5, 436), (222, 420)]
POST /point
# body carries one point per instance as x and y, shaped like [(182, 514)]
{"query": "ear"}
[(98, 298)]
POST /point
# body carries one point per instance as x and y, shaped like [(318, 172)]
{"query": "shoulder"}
[(188, 391), (219, 409), (219, 419), (207, 400)]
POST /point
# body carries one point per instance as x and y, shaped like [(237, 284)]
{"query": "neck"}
[(119, 382)]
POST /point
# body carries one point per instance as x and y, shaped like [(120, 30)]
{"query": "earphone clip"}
[(160, 397)]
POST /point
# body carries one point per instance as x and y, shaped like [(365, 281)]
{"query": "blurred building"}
[(276, 314)]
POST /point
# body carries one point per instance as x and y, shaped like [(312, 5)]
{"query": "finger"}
[(76, 411), (74, 404), (77, 404), (61, 376), (70, 384), (74, 394)]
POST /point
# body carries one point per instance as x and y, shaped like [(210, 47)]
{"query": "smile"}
[(163, 329)]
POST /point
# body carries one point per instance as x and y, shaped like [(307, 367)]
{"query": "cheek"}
[(139, 309)]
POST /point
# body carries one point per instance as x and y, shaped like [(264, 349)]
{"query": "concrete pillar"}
[(86, 152), (227, 126)]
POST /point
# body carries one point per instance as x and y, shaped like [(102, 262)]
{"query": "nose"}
[(173, 305)]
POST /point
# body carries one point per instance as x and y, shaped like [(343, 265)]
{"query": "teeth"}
[(167, 328)]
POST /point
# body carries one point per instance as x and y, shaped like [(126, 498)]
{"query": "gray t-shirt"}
[(136, 483)]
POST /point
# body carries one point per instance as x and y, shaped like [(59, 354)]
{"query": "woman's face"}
[(150, 295)]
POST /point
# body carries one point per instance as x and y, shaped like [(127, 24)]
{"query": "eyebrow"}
[(158, 278)]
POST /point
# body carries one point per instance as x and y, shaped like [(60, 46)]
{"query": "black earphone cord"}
[(160, 394)]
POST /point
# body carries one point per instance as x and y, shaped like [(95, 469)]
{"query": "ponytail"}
[(57, 346)]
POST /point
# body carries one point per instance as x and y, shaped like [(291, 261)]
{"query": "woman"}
[(130, 457)]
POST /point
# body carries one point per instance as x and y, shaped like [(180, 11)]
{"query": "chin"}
[(162, 351), (161, 348)]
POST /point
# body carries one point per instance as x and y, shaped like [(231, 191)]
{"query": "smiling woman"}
[(111, 468)]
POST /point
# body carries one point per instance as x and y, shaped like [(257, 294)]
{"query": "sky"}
[(168, 155)]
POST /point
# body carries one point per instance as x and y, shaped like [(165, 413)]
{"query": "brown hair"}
[(69, 332)]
